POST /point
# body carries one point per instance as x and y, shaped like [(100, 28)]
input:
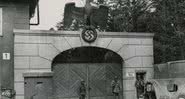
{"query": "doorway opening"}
[(141, 75), (97, 67), (140, 83)]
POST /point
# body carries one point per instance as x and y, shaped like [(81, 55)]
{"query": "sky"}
[(51, 12)]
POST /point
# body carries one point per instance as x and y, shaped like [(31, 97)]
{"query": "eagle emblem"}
[(91, 14)]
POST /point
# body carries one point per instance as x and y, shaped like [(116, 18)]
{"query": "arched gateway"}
[(56, 61), (96, 66)]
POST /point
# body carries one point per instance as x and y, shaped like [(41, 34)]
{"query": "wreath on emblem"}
[(89, 34)]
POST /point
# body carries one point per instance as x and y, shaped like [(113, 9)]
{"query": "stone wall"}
[(35, 50)]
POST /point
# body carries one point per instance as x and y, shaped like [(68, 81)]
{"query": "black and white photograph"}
[(92, 49)]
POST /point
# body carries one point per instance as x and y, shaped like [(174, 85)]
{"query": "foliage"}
[(128, 15), (168, 25), (124, 15)]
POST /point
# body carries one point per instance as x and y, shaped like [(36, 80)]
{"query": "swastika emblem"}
[(89, 35)]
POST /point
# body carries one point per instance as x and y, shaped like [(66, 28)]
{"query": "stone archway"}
[(96, 66), (34, 51)]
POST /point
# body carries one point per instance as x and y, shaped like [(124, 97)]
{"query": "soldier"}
[(139, 84), (116, 87), (149, 91), (82, 90)]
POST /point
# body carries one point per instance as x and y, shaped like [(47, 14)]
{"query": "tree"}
[(129, 15), (123, 15), (168, 25)]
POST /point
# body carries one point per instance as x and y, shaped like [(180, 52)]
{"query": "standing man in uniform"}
[(82, 90), (149, 91), (116, 87), (140, 85)]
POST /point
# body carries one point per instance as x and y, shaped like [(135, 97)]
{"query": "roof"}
[(32, 3)]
